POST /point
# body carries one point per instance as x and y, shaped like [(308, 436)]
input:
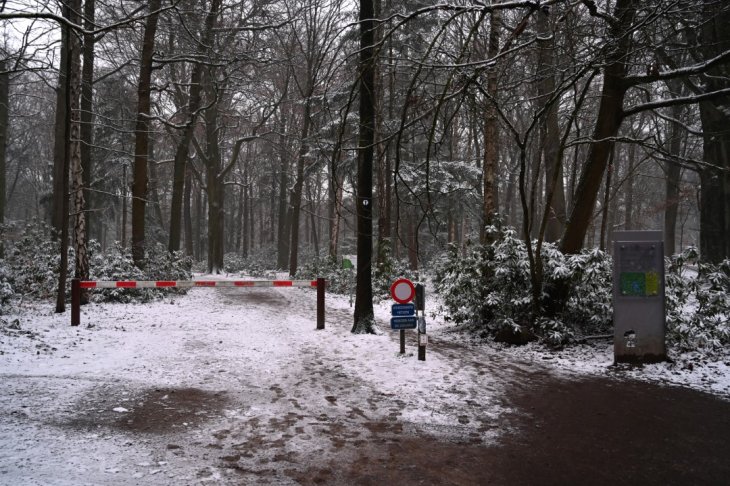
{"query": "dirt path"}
[(244, 395), (595, 431)]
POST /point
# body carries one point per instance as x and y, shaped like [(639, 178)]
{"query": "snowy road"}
[(226, 386)]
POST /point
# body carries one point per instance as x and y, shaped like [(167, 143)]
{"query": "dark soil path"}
[(596, 431)]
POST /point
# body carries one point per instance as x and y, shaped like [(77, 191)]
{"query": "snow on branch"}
[(679, 72), (683, 100), (62, 21)]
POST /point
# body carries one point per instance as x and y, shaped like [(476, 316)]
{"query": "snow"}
[(226, 385)]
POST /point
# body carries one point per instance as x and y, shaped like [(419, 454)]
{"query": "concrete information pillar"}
[(638, 297)]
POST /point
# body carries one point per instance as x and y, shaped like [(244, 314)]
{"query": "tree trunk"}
[(296, 196), (81, 270), (87, 118), (187, 216), (382, 149), (216, 190), (181, 153), (603, 239), (550, 134), (283, 226), (313, 215), (334, 211), (673, 176), (198, 236), (60, 152), (125, 194), (154, 186), (63, 140), (629, 204), (141, 131), (608, 123), (364, 317), (715, 181), (491, 132), (238, 212), (247, 222), (4, 116), (606, 128)]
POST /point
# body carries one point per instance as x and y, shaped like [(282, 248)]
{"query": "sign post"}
[(421, 307), (404, 312)]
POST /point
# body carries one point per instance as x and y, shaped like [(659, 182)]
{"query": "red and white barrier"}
[(77, 285), (187, 284)]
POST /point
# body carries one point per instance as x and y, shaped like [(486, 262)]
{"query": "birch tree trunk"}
[(81, 270)]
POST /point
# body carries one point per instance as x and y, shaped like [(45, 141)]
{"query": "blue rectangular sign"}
[(402, 309), (405, 322)]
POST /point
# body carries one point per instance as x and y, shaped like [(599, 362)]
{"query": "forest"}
[(492, 146)]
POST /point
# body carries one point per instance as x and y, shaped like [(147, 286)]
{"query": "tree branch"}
[(684, 100)]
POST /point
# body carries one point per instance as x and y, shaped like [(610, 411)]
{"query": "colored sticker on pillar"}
[(652, 284), (633, 284)]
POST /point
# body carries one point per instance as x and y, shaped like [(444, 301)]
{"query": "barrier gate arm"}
[(76, 285)]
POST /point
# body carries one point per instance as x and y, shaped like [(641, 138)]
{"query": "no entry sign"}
[(402, 291)]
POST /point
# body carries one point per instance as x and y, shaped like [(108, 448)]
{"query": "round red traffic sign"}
[(402, 291)]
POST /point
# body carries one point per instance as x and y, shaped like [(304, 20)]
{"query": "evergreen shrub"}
[(342, 280), (31, 261), (257, 264), (116, 264), (488, 288), (697, 302)]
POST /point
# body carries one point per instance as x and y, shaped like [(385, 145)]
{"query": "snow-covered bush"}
[(590, 305), (31, 261), (6, 290), (117, 264), (258, 264), (697, 302), (387, 269), (486, 286), (342, 280), (160, 264), (489, 288), (339, 280)]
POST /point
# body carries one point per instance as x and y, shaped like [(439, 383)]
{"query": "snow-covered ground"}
[(237, 386)]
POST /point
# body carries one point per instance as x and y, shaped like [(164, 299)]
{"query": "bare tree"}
[(142, 129), (4, 113)]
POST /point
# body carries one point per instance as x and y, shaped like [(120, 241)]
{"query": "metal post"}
[(421, 312), (402, 341), (321, 283), (124, 206), (75, 302)]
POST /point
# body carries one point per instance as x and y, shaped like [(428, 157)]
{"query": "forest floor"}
[(235, 386)]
